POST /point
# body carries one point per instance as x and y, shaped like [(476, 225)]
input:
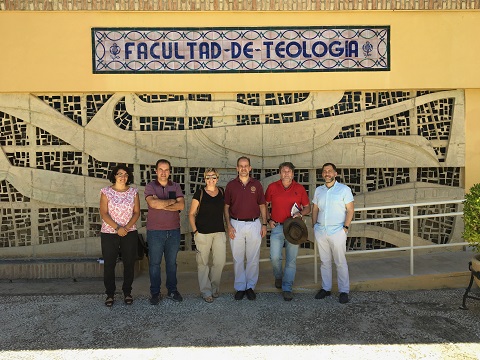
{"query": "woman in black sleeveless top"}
[(208, 229)]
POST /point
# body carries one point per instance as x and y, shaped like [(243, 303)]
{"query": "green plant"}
[(471, 217)]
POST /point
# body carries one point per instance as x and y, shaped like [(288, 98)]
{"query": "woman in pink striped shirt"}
[(120, 210)]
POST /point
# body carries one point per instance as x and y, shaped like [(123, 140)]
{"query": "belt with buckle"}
[(247, 220)]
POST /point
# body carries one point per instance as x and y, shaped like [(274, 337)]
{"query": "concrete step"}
[(446, 269)]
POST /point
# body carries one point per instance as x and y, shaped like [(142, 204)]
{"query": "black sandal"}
[(128, 299), (109, 301)]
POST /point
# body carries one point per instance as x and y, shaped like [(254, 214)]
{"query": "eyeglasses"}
[(122, 175), (213, 177)]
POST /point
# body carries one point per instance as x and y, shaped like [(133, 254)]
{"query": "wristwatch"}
[(345, 227)]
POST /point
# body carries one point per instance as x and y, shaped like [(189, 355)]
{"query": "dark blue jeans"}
[(112, 244), (163, 243)]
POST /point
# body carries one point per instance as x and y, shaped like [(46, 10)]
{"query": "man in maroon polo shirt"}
[(246, 217)]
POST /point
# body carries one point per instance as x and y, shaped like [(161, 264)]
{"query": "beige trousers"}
[(209, 277)]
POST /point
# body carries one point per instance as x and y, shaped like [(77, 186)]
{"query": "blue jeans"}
[(160, 243), (277, 240)]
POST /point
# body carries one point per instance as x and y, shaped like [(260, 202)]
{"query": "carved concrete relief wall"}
[(390, 147)]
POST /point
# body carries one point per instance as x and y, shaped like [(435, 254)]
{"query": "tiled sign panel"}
[(141, 50)]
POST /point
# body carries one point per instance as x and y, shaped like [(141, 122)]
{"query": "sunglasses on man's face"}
[(213, 177)]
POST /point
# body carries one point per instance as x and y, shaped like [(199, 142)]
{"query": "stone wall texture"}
[(236, 5), (391, 147)]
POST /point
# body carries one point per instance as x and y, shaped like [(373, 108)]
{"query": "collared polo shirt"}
[(159, 219), (283, 199), (331, 204), (244, 200)]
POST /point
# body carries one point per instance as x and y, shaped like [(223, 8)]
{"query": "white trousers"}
[(333, 246), (209, 277), (246, 244)]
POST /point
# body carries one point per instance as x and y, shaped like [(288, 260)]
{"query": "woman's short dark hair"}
[(114, 171)]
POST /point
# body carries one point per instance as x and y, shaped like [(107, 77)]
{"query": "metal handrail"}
[(411, 217)]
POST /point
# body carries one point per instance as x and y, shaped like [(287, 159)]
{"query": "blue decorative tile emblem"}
[(183, 50)]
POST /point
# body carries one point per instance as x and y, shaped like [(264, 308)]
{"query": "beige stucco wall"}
[(51, 52), (472, 137)]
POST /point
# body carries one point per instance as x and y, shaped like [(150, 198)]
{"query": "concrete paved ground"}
[(60, 319), (374, 325)]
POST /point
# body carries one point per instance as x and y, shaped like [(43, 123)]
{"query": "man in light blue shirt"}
[(332, 214)]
